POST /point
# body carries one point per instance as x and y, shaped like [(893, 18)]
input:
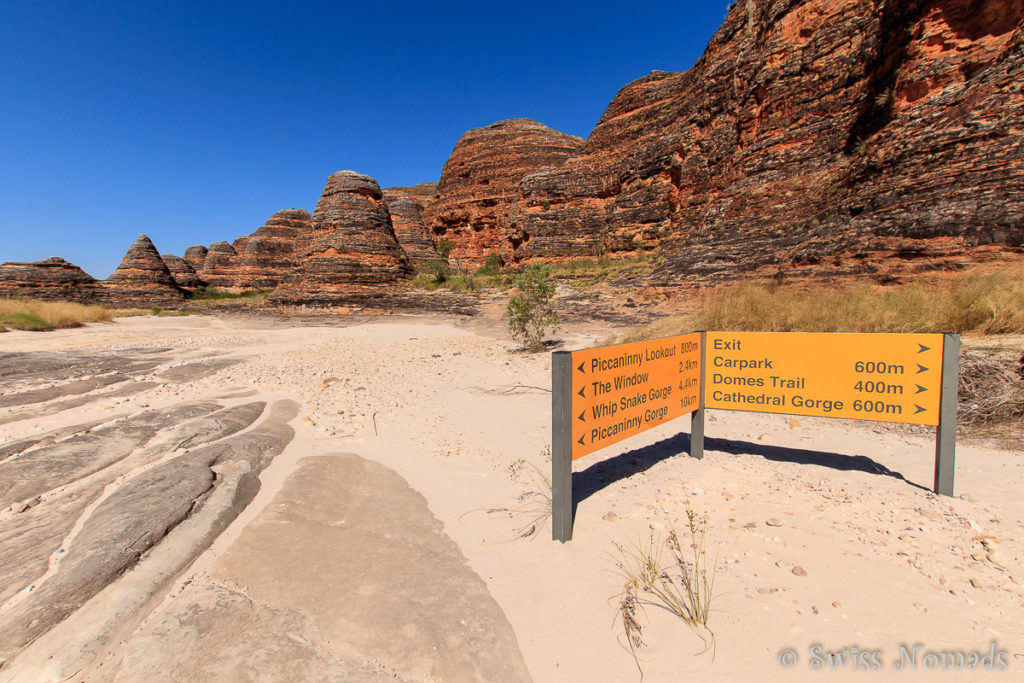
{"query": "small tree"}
[(530, 312), (444, 247)]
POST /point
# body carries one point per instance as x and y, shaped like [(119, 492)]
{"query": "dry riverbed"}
[(210, 498)]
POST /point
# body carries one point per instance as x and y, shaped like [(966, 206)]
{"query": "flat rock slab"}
[(346, 575)]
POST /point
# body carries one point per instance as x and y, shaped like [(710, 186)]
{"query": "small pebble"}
[(998, 559), (799, 571), (774, 521)]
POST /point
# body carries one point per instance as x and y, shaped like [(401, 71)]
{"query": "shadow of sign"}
[(601, 474)]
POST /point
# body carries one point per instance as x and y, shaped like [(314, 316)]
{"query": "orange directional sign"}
[(880, 377), (619, 391)]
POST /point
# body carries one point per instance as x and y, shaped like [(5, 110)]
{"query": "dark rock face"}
[(809, 132), (353, 252), (50, 279), (273, 250), (142, 278), (406, 207), (195, 256), (480, 180), (184, 275)]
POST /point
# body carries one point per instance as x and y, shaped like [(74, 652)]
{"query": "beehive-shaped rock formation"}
[(143, 278), (353, 253), (51, 279), (220, 267), (271, 252), (195, 256), (184, 275), (481, 179)]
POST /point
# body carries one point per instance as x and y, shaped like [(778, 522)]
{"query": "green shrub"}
[(211, 293), (439, 270), (531, 312), (492, 266), (25, 321)]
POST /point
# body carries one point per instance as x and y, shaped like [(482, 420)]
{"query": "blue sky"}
[(193, 122)]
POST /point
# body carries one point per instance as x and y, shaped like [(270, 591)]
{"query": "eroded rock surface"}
[(37, 384), (409, 608), (406, 206), (141, 494)]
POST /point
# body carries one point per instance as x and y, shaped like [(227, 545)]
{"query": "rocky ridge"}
[(830, 138), (819, 138)]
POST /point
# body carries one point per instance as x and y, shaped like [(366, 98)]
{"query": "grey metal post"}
[(697, 416), (945, 434), (561, 446)]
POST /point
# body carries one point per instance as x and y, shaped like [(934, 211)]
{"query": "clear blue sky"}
[(193, 122)]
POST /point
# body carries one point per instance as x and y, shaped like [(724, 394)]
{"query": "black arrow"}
[(920, 389), (919, 409), (921, 368), (580, 418), (580, 441), (580, 392), (923, 347), (580, 367)]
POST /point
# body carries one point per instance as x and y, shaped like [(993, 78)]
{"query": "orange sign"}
[(880, 377), (619, 391)]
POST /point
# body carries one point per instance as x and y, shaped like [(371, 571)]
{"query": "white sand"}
[(453, 411)]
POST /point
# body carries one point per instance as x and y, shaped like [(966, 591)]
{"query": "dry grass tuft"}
[(991, 388), (532, 508), (979, 302), (670, 573), (982, 303), (30, 314)]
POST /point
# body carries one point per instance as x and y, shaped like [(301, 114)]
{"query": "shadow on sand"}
[(601, 474)]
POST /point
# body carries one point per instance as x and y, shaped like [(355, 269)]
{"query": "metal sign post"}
[(697, 416), (561, 446), (945, 433)]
